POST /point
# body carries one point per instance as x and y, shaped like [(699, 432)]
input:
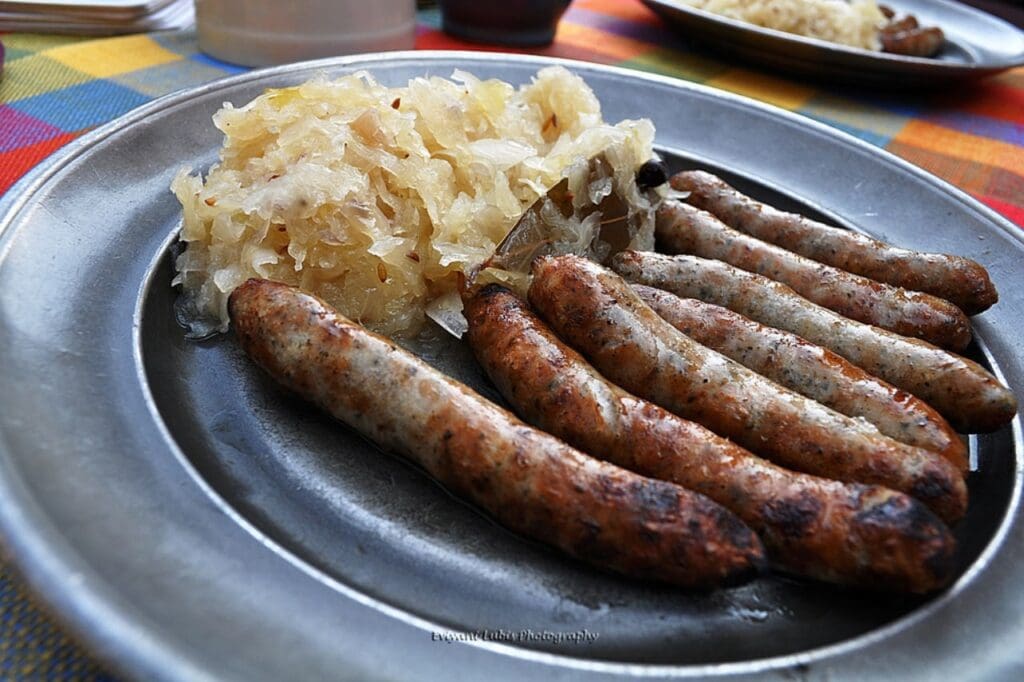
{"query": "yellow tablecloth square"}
[(112, 56)]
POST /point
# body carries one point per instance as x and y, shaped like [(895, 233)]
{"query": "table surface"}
[(55, 88)]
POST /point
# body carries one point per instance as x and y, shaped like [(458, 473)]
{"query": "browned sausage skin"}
[(917, 41), (810, 370), (528, 480), (844, 533), (959, 280), (960, 390), (682, 228), (598, 313)]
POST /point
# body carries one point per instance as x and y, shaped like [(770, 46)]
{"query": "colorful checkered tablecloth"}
[(55, 88)]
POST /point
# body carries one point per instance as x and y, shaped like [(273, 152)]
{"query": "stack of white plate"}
[(94, 17)]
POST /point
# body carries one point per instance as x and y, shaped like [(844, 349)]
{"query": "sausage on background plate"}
[(919, 41), (682, 228), (810, 370), (959, 280), (597, 312), (531, 482), (971, 399), (844, 533)]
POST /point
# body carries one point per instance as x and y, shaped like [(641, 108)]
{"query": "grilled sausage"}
[(922, 41), (843, 533), (960, 390), (528, 480), (681, 228), (959, 280), (597, 312), (810, 370)]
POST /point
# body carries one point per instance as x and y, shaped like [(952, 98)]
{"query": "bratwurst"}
[(530, 481), (810, 370), (959, 280), (843, 533), (681, 228), (598, 313), (918, 41), (960, 390)]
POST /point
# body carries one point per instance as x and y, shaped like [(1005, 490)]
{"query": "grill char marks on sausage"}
[(810, 370), (682, 228), (971, 399), (529, 481), (959, 280), (597, 312), (813, 527)]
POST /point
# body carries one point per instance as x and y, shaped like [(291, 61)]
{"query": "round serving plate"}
[(977, 45), (191, 520)]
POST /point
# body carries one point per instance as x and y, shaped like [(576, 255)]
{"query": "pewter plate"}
[(977, 45), (190, 520)]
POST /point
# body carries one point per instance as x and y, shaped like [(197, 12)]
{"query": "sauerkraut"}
[(376, 198), (854, 23)]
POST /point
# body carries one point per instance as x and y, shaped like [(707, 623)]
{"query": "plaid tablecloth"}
[(56, 88)]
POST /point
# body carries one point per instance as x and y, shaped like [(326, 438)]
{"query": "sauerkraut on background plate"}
[(376, 198), (848, 22)]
